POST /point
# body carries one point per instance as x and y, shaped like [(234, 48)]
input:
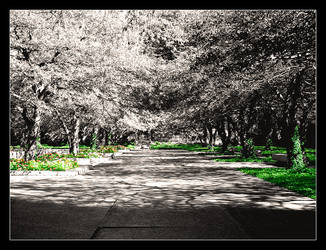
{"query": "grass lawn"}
[(266, 155), (302, 183), (54, 147), (190, 147), (238, 158)]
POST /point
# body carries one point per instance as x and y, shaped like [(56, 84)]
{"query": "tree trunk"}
[(210, 137), (214, 136), (290, 123), (232, 132), (95, 137), (102, 137), (84, 135), (136, 137), (247, 148), (74, 146), (241, 130), (32, 133), (108, 137), (221, 132), (67, 132), (229, 130), (205, 135)]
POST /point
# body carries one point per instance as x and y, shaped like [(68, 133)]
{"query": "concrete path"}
[(158, 194)]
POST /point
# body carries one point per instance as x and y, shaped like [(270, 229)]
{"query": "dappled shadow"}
[(168, 180), (44, 219)]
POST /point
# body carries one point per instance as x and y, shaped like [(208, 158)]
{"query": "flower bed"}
[(41, 165), (62, 162), (109, 149)]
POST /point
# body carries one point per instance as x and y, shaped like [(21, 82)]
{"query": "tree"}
[(254, 53)]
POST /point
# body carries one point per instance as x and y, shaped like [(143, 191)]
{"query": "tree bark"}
[(74, 147), (210, 136), (290, 122), (205, 135), (95, 137), (102, 136), (65, 127), (222, 134), (32, 133)]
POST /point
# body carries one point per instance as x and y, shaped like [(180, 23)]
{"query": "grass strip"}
[(302, 183), (250, 159)]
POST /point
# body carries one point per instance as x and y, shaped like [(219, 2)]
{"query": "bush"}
[(297, 163), (248, 149), (269, 144), (93, 142), (108, 149)]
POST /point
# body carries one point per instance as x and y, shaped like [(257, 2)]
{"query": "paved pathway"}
[(159, 194)]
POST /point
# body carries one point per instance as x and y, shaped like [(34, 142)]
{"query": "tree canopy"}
[(238, 74)]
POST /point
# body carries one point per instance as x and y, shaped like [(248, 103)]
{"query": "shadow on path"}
[(160, 194)]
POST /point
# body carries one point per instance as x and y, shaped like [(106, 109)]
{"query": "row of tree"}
[(236, 75), (257, 75)]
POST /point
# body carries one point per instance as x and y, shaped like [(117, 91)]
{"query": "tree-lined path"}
[(152, 194)]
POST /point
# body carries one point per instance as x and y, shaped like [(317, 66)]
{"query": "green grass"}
[(302, 183), (190, 147), (54, 147), (130, 146), (60, 162), (250, 159), (266, 155), (63, 146), (51, 162)]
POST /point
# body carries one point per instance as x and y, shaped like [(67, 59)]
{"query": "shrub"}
[(248, 149), (107, 149), (297, 163), (269, 144), (93, 142)]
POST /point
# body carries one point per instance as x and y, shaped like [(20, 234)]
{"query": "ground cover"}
[(262, 155), (190, 147), (61, 162), (238, 158), (50, 146), (51, 161), (302, 183)]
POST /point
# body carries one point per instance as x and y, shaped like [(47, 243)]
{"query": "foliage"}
[(93, 142), (302, 183), (54, 156), (130, 146), (161, 72), (269, 143), (297, 163), (108, 149), (248, 149)]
